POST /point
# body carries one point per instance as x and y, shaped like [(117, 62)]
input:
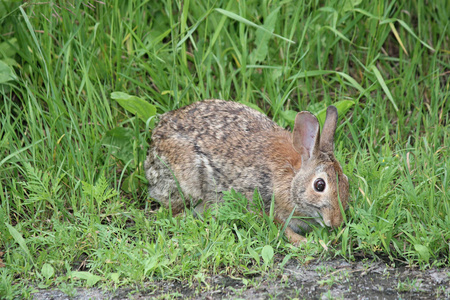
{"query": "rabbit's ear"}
[(329, 128), (306, 134)]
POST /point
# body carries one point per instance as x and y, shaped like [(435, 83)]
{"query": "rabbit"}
[(214, 145)]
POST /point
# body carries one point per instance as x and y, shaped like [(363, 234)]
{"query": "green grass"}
[(74, 206)]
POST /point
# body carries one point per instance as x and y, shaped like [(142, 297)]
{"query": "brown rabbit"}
[(212, 146)]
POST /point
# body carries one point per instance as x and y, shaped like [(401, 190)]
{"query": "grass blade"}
[(238, 18), (19, 151), (20, 241), (384, 86)]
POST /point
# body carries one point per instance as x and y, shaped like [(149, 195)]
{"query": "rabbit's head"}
[(320, 188)]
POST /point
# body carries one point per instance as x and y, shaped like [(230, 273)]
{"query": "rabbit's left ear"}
[(306, 135), (329, 128)]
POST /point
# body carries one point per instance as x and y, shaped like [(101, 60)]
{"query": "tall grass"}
[(74, 203)]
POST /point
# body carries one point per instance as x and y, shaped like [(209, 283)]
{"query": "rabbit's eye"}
[(319, 185)]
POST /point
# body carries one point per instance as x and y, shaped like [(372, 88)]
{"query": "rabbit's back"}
[(216, 120), (209, 147)]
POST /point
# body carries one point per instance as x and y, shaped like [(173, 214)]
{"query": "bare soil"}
[(334, 279)]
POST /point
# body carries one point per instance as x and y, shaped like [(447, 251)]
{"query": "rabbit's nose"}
[(332, 218), (336, 220)]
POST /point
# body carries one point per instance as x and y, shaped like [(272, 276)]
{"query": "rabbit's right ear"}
[(328, 130), (306, 137)]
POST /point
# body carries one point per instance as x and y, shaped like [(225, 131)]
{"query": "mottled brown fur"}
[(214, 145)]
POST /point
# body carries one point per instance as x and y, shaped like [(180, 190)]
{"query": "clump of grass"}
[(73, 197)]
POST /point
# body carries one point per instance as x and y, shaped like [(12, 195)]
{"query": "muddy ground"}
[(335, 279)]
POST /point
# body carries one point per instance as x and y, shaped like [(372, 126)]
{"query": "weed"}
[(408, 285)]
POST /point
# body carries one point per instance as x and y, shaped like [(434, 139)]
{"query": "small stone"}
[(439, 277)]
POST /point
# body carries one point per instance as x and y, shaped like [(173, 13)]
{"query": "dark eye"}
[(319, 184)]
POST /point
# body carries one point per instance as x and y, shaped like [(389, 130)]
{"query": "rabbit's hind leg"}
[(163, 185), (174, 175)]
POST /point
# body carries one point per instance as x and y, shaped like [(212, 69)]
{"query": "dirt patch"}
[(318, 280)]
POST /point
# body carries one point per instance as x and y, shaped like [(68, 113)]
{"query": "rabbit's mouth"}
[(319, 221), (305, 223)]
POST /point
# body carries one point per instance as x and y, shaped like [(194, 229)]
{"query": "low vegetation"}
[(81, 84)]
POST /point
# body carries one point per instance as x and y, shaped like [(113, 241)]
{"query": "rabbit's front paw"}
[(294, 238)]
